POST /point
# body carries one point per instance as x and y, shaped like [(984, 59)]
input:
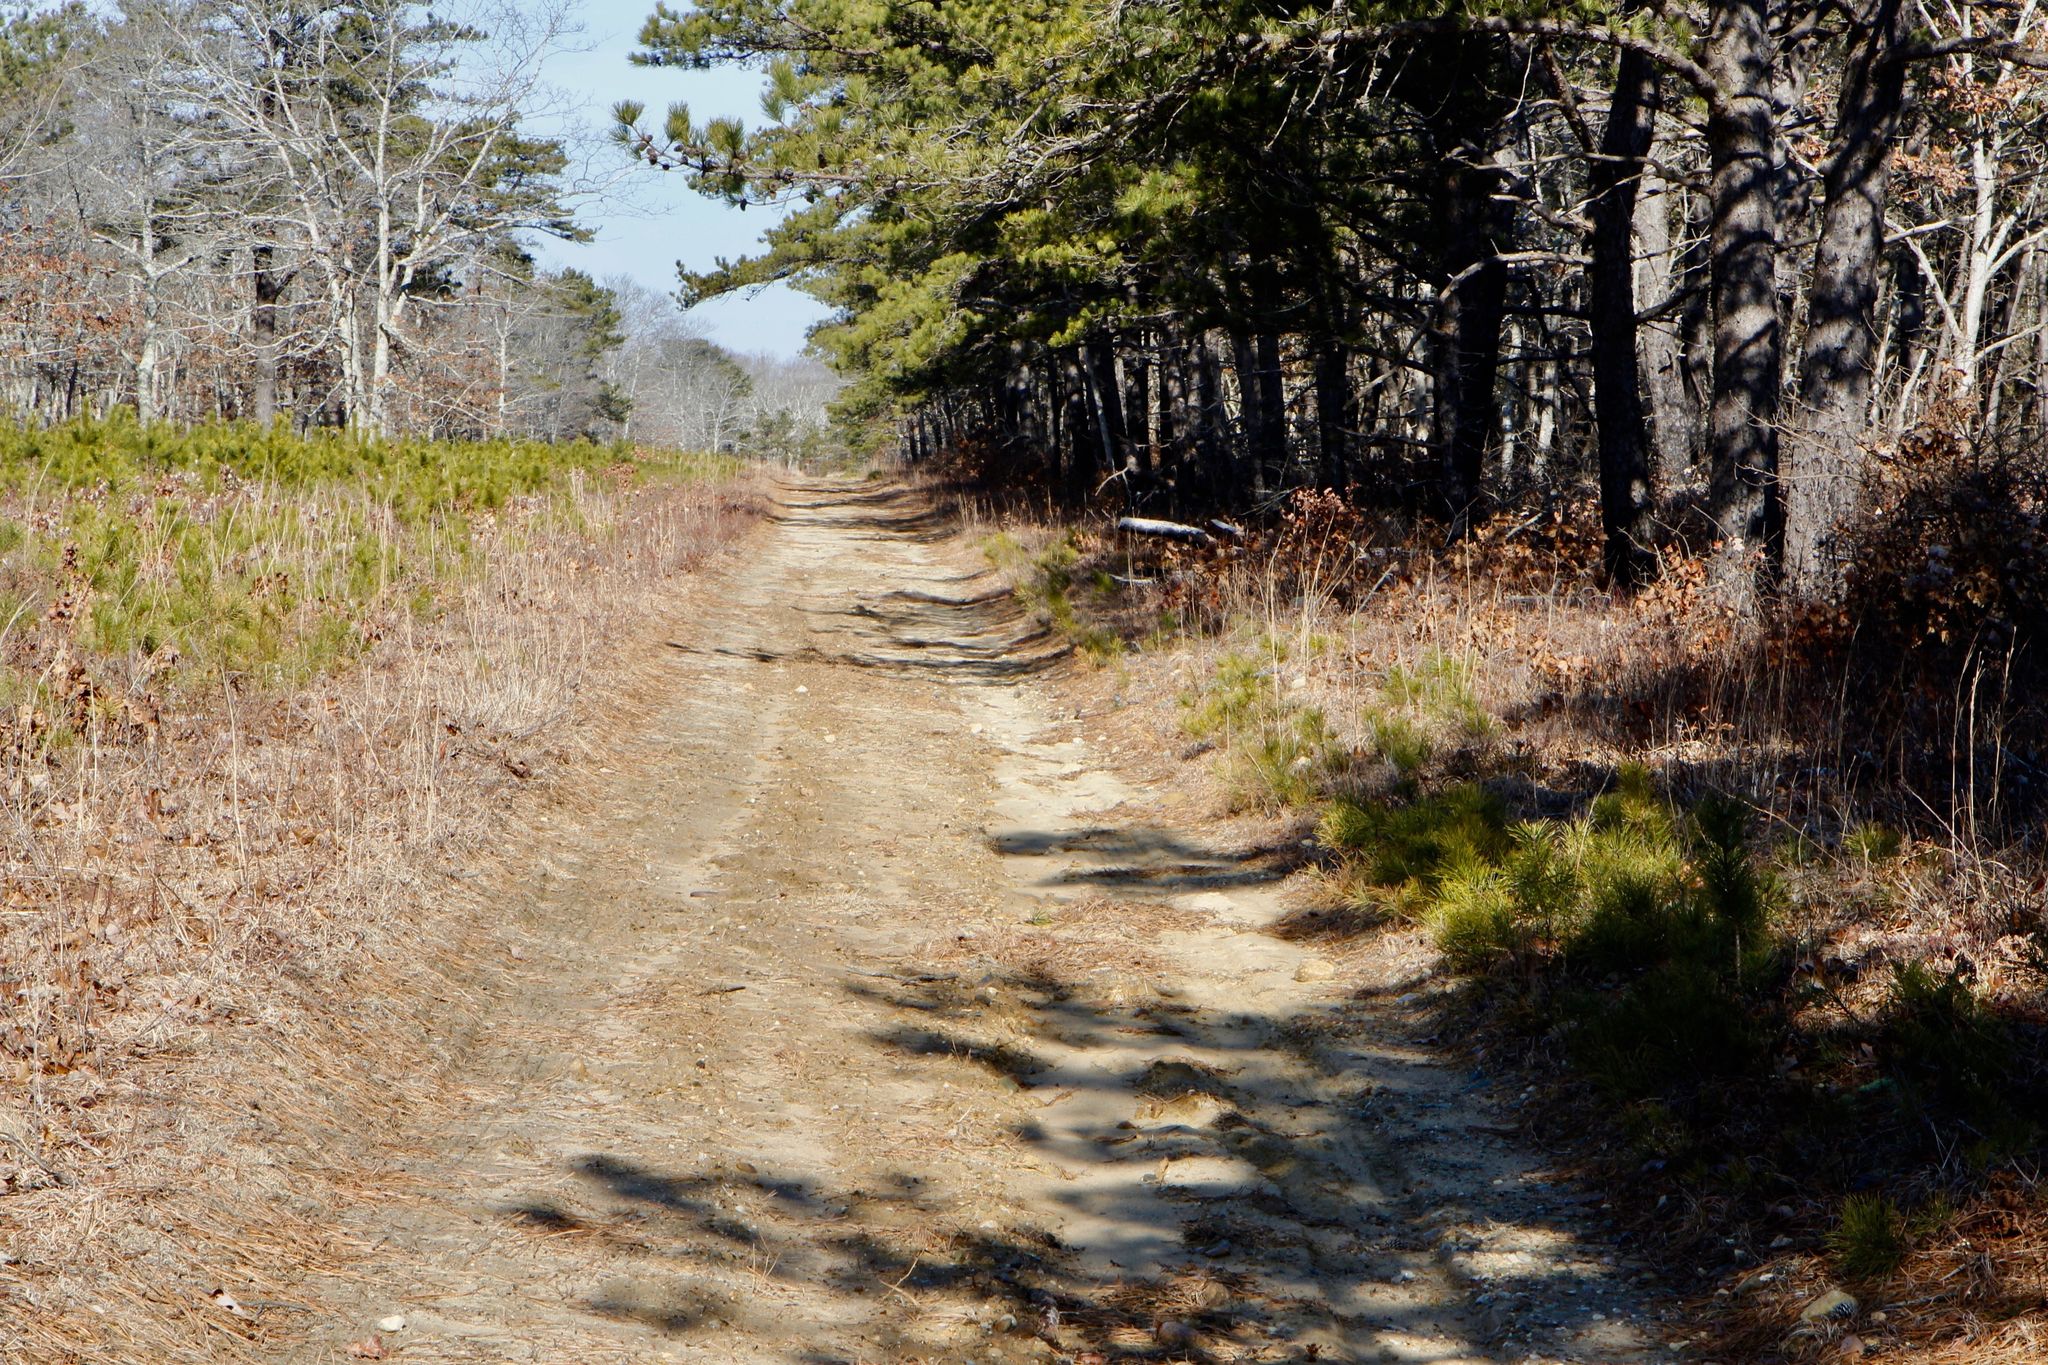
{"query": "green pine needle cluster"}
[(1652, 931), (1280, 752)]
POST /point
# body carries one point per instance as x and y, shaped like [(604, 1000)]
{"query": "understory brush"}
[(1944, 558), (261, 709)]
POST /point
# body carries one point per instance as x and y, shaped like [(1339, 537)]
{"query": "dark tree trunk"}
[(1136, 369), (1336, 397), (1459, 87), (1671, 409), (1367, 405), (1037, 432), (1173, 402), (1021, 416), (1696, 325), (1841, 334), (2040, 406), (1105, 399), (1251, 410), (1626, 499), (269, 286), (1084, 440), (1058, 439), (1269, 457), (1336, 412), (1742, 420), (1210, 448), (1465, 334)]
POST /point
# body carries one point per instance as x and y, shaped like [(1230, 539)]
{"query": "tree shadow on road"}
[(1297, 1232)]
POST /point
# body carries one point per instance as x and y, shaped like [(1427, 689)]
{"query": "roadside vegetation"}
[(265, 555), (265, 703), (1773, 967)]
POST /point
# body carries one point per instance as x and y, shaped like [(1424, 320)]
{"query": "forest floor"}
[(891, 994)]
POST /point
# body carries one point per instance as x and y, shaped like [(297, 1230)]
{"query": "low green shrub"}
[(1281, 752), (1402, 743), (1869, 1239), (1287, 761), (1477, 920), (1414, 843), (1653, 932), (1873, 842), (1098, 644), (416, 479), (1947, 1051), (1675, 1021), (1233, 702), (1003, 550), (1046, 584), (1439, 689)]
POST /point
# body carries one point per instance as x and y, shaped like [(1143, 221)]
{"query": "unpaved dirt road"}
[(858, 1012)]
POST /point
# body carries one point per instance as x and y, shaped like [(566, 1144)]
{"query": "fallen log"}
[(1167, 530)]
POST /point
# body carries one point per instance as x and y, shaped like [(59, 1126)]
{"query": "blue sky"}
[(668, 223)]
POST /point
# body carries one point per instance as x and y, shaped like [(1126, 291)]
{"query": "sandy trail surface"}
[(859, 1011)]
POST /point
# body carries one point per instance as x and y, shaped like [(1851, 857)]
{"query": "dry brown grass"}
[(1969, 1293), (222, 932)]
